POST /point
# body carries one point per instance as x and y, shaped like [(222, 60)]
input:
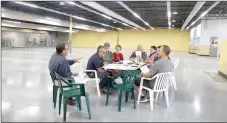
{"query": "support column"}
[(70, 35)]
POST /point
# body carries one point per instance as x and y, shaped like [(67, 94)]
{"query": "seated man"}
[(95, 62), (108, 57), (59, 64), (163, 65)]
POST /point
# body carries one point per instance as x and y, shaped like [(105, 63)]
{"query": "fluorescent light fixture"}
[(169, 23), (72, 3), (28, 4), (114, 22), (106, 16), (193, 23), (80, 18), (152, 27), (12, 21), (136, 15), (203, 14), (52, 19), (8, 25), (134, 28), (146, 23), (174, 13), (105, 24), (187, 27), (82, 27), (100, 30), (168, 14), (125, 24), (119, 29), (173, 20)]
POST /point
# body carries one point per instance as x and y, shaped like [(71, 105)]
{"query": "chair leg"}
[(173, 79), (139, 95), (55, 92), (97, 86), (151, 93), (59, 105), (107, 95), (88, 106), (119, 100), (134, 99), (167, 98), (126, 96), (79, 102), (157, 93), (65, 108)]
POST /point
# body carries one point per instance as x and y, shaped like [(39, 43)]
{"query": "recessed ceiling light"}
[(174, 13)]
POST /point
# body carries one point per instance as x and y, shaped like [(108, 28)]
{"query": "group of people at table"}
[(157, 61)]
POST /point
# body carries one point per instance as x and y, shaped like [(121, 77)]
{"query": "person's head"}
[(159, 47), (101, 51), (153, 49), (139, 48), (164, 51), (62, 49), (107, 46), (118, 48)]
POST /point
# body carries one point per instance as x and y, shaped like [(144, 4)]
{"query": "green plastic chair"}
[(127, 86), (74, 91), (55, 91)]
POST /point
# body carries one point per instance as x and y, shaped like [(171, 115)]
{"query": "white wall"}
[(212, 28)]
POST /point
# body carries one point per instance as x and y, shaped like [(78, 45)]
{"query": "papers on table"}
[(144, 69)]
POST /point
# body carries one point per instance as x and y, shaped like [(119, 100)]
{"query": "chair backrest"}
[(128, 76), (60, 80), (162, 81)]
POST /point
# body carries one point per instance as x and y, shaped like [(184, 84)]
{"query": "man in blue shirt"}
[(59, 64), (95, 62)]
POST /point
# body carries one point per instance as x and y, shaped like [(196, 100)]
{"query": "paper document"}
[(144, 69)]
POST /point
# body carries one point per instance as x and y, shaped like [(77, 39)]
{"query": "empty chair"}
[(161, 85)]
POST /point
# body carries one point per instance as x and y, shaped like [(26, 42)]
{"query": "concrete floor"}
[(27, 91)]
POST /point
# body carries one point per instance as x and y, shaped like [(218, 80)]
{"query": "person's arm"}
[(111, 57), (64, 69), (71, 62), (133, 55), (121, 56), (97, 64), (152, 72), (144, 56)]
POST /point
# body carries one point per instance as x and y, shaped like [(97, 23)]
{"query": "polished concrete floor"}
[(27, 91)]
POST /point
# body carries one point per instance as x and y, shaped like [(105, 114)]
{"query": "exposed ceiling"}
[(152, 12)]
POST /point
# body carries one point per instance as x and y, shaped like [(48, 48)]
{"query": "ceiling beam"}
[(135, 14), (193, 12), (107, 11), (204, 13), (62, 13)]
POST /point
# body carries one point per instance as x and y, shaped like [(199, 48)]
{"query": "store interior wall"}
[(129, 39)]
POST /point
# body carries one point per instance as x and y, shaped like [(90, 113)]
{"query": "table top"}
[(122, 66)]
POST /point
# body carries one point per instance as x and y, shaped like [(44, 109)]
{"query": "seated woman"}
[(152, 57), (117, 56), (143, 55)]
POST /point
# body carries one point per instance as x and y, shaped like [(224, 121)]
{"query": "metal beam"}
[(193, 12), (204, 13), (169, 13), (135, 14), (111, 13)]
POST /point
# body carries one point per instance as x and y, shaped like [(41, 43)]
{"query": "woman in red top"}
[(117, 56)]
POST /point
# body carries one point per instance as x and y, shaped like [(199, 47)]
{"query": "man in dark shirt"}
[(95, 62), (59, 64)]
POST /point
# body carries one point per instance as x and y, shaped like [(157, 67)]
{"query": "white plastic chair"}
[(173, 78), (161, 85), (96, 79)]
